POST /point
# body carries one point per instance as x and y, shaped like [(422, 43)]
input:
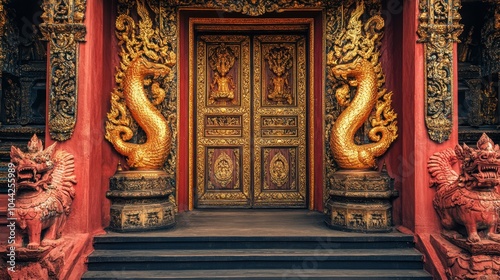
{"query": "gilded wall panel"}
[(63, 28), (439, 29)]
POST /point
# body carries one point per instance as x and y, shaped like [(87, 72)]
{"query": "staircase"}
[(208, 254)]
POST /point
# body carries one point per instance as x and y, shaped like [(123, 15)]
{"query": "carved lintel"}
[(249, 7), (63, 27), (439, 28)]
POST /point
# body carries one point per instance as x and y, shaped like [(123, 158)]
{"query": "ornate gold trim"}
[(439, 29), (249, 7), (63, 27)]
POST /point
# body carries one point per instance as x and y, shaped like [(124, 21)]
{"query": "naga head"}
[(148, 68), (345, 71), (480, 167), (33, 168)]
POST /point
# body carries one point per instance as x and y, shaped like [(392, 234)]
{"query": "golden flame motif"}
[(221, 60), (279, 169), (280, 62), (223, 169), (355, 64)]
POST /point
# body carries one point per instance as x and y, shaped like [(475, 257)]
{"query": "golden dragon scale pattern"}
[(153, 153), (347, 153), (355, 64)]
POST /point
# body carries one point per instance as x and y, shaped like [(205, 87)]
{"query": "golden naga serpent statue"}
[(153, 153), (348, 154)]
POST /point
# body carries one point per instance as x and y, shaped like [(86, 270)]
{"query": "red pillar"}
[(418, 214), (95, 160)]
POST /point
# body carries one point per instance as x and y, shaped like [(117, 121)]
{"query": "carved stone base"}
[(45, 263), (460, 264), (360, 201), (485, 246), (141, 200)]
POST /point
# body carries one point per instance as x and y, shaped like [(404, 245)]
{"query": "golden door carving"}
[(251, 94)]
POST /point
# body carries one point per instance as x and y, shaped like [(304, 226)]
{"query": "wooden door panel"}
[(251, 121), (223, 121), (280, 85)]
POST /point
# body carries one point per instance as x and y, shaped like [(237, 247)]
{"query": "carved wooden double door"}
[(251, 118)]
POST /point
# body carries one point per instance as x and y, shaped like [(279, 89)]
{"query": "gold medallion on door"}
[(251, 118)]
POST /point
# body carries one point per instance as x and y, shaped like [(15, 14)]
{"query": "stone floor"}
[(250, 222)]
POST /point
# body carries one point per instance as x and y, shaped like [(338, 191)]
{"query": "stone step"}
[(254, 259), (143, 242), (264, 244), (261, 274)]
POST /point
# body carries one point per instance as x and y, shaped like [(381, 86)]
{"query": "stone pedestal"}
[(477, 261), (45, 262), (141, 200), (360, 201)]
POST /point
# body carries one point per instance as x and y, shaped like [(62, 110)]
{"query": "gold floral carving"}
[(279, 169), (143, 96), (280, 61), (221, 60), (355, 70), (439, 29), (63, 27), (223, 169), (249, 7)]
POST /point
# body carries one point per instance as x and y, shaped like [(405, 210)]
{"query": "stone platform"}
[(254, 244)]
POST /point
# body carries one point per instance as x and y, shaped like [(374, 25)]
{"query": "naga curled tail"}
[(348, 154), (153, 153)]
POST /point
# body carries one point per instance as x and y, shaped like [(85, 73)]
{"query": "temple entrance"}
[(251, 92)]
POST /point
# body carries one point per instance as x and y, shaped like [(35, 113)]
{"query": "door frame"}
[(187, 145)]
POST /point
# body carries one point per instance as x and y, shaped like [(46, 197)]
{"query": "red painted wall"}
[(418, 212), (391, 57), (95, 160)]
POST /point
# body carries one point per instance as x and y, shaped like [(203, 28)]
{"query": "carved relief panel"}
[(223, 121), (250, 144), (280, 120)]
